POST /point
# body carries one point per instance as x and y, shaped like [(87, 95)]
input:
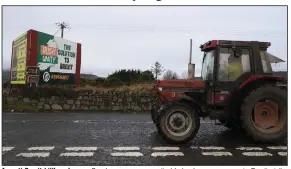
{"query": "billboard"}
[(18, 65), (56, 59)]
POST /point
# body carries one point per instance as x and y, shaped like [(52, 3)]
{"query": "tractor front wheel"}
[(264, 114), (178, 123)]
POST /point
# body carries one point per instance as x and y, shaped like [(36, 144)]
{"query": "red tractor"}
[(237, 88)]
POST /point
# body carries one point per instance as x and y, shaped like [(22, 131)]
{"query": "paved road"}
[(123, 139)]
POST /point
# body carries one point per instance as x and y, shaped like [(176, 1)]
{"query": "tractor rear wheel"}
[(264, 114), (178, 123)]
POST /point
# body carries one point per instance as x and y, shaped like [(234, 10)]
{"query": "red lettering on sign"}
[(62, 77)]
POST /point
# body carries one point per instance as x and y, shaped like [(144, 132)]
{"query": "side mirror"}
[(237, 52)]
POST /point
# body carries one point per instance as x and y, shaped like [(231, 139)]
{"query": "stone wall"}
[(88, 101)]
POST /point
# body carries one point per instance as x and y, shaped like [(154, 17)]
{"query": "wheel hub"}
[(177, 121), (266, 114)]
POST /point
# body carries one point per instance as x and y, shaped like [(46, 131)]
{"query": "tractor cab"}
[(230, 65)]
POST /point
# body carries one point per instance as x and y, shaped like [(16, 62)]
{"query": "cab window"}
[(267, 68), (231, 67)]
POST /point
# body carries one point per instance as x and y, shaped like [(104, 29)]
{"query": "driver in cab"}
[(235, 67)]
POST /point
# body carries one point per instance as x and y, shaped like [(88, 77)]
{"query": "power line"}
[(22, 27), (151, 28), (57, 32), (169, 29), (146, 28)]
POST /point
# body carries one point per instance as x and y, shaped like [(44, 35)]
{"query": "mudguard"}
[(157, 108), (191, 101)]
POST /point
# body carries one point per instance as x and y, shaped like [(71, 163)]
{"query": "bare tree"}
[(170, 75), (157, 69), (184, 75)]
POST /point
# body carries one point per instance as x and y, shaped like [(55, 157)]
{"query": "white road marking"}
[(97, 121), (127, 154), (77, 154), (257, 154), (282, 153), (155, 154), (112, 121), (165, 148), (212, 148), (277, 147), (81, 148), (44, 154), (217, 153), (7, 148), (249, 148), (41, 148), (126, 148)]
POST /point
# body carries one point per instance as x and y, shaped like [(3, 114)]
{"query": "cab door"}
[(207, 74), (232, 67)]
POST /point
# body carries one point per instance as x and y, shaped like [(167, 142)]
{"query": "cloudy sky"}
[(135, 37)]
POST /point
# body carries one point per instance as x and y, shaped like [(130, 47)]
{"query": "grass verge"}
[(19, 107)]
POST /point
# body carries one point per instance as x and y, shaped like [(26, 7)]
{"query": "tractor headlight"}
[(160, 88)]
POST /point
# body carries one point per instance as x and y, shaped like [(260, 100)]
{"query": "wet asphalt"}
[(123, 139)]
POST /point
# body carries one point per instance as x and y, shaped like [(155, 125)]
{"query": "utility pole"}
[(62, 26)]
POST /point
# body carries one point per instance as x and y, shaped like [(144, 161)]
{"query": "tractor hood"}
[(183, 84)]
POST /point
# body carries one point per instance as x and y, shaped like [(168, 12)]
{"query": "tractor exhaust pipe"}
[(191, 71), (191, 67), (190, 58)]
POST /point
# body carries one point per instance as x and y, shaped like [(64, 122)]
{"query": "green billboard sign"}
[(56, 59)]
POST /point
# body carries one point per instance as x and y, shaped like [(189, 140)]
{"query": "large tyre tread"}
[(251, 131)]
